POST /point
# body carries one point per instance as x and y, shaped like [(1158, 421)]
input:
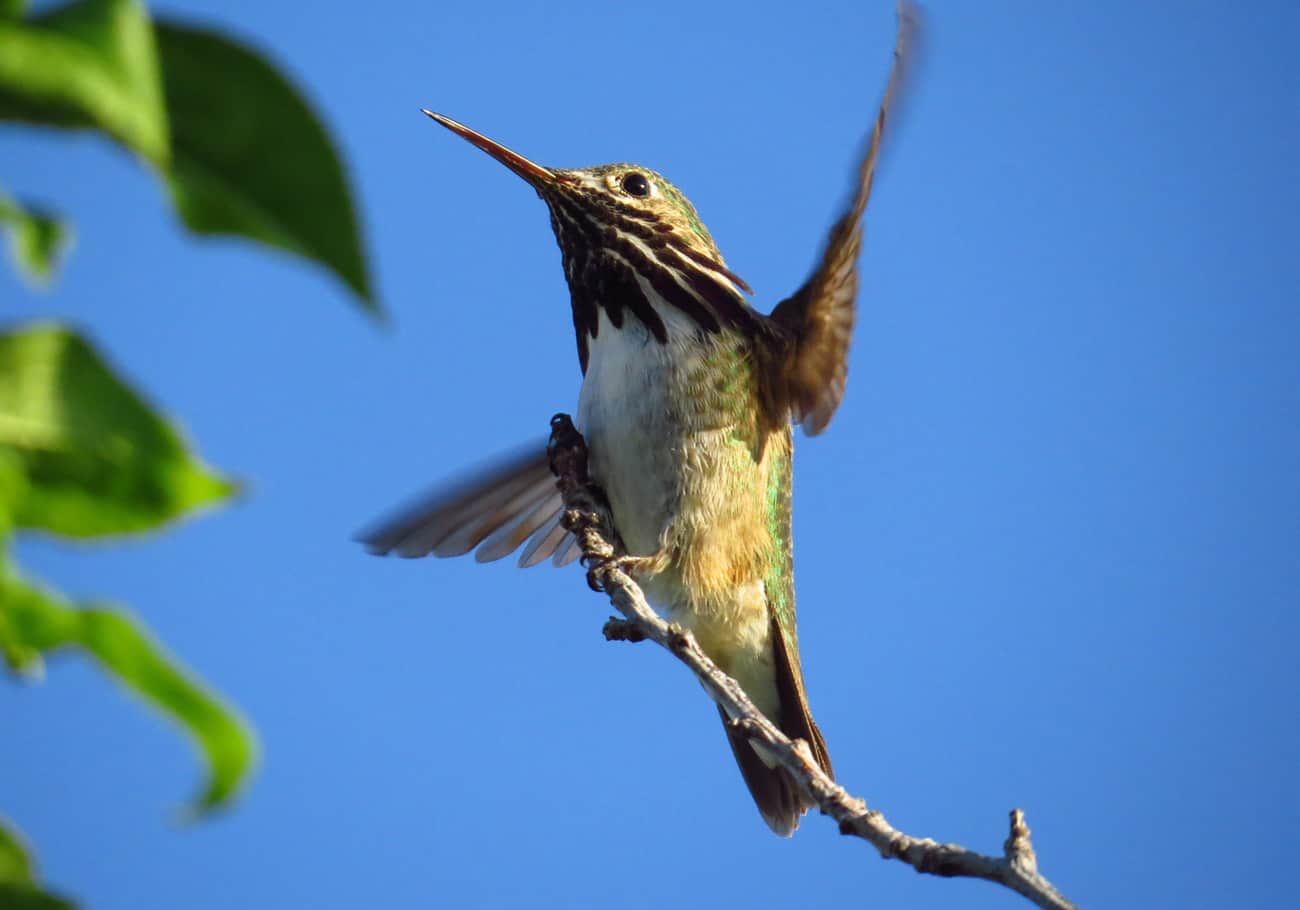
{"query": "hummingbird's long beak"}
[(535, 174)]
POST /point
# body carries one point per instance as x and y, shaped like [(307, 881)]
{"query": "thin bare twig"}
[(587, 516)]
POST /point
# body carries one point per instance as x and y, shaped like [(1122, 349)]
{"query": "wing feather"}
[(496, 510), (567, 552), (545, 542), (818, 318), (508, 538)]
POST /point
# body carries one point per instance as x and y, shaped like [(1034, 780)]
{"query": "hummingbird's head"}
[(613, 192), (630, 240)]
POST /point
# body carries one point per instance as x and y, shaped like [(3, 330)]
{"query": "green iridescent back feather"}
[(723, 390), (780, 578)]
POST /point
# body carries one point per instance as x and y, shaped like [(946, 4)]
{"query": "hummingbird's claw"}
[(592, 581)]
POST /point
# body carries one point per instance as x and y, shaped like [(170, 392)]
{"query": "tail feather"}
[(796, 717), (774, 791)]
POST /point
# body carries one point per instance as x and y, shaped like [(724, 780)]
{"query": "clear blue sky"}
[(1048, 553)]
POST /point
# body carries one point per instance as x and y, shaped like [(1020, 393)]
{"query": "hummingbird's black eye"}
[(635, 184)]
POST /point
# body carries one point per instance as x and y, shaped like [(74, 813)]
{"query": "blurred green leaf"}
[(37, 239), (18, 887), (30, 897), (91, 63), (249, 157), (34, 620), (242, 152), (12, 9), (13, 487), (96, 459), (15, 866)]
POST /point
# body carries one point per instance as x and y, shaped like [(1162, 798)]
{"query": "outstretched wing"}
[(818, 318), (496, 510)]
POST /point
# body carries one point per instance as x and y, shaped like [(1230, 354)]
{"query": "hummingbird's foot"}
[(597, 566), (636, 567)]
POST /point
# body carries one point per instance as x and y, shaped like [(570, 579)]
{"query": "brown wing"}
[(495, 510), (818, 318)]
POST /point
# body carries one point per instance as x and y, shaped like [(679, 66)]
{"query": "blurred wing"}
[(495, 510), (818, 318)]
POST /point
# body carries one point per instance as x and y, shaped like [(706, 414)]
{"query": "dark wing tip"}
[(817, 319)]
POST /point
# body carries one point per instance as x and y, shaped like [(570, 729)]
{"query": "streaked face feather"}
[(631, 244)]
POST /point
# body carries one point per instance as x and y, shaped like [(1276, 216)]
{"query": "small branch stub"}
[(621, 630), (1018, 849), (589, 518)]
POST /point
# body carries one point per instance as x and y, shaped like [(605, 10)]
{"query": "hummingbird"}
[(687, 402)]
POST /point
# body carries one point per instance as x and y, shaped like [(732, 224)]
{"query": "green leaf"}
[(34, 620), (13, 487), (242, 152), (29, 897), (92, 63), (18, 887), (249, 157), (96, 459), (37, 239), (15, 866)]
